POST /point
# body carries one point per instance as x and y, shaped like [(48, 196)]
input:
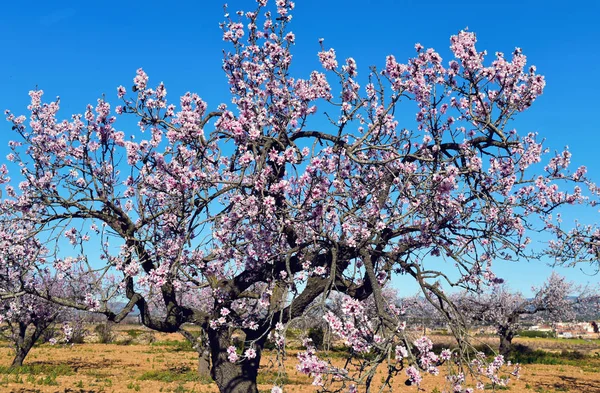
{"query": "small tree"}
[(504, 309), (25, 320), (421, 312)]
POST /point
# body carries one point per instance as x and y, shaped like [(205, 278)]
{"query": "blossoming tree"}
[(24, 317), (270, 204), (25, 320), (504, 309)]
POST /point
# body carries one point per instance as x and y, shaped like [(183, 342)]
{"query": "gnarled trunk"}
[(204, 362), (232, 377), (21, 354), (25, 342), (506, 337)]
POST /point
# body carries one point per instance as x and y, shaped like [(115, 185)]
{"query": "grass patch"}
[(39, 369), (536, 334), (98, 374), (179, 374), (267, 379), (525, 355), (175, 346), (134, 333), (579, 341), (489, 386), (39, 374), (48, 380), (181, 389)]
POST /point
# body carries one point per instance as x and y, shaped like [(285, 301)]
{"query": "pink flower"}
[(246, 159), (327, 59), (414, 375), (232, 355), (250, 353), (141, 80)]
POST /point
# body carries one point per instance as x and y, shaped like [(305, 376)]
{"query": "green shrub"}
[(125, 341), (79, 331), (48, 334), (536, 334), (270, 345), (134, 333), (525, 355), (105, 333), (317, 336)]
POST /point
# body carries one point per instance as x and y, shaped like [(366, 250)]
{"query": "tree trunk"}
[(506, 338), (21, 353), (204, 362), (232, 377), (23, 345), (25, 342)]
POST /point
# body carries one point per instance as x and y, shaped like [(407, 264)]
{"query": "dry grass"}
[(169, 365)]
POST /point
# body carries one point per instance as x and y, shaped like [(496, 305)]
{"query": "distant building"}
[(541, 328), (576, 329)]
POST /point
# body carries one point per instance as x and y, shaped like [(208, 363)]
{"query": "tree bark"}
[(25, 342), (23, 345), (506, 338), (21, 354), (204, 363), (232, 377)]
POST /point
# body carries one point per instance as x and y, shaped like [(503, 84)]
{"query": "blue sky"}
[(80, 50)]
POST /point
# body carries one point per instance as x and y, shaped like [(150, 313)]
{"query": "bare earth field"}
[(168, 365)]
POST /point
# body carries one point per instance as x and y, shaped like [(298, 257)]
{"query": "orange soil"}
[(119, 368)]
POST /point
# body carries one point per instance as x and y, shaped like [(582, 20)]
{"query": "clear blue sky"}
[(81, 49)]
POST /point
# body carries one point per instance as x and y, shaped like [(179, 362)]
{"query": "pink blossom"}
[(250, 353)]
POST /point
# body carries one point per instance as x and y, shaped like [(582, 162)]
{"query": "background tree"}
[(421, 312), (270, 207), (198, 299), (504, 310), (25, 320)]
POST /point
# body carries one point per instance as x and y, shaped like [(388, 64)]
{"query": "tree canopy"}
[(298, 187)]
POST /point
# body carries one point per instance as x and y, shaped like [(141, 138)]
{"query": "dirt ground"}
[(167, 366)]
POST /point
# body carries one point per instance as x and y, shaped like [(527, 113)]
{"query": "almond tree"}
[(420, 311), (24, 320), (301, 186), (27, 310), (504, 309)]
